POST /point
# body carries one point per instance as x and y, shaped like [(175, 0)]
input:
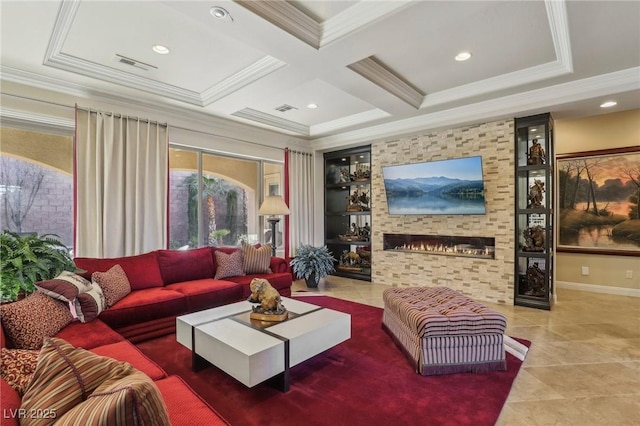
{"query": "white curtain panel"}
[(121, 185), (300, 200)]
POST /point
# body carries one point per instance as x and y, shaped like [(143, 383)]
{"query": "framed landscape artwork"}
[(599, 202)]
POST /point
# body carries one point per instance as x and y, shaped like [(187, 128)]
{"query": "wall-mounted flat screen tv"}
[(454, 186)]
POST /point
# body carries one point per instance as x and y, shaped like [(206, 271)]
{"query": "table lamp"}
[(273, 206)]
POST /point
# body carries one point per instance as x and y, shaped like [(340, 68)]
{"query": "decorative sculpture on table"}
[(535, 194), (270, 307)]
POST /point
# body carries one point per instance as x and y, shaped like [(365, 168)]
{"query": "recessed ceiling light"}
[(163, 50), (608, 104), (220, 13), (463, 56), (312, 106)]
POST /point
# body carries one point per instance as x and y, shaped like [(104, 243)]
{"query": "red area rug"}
[(363, 381)]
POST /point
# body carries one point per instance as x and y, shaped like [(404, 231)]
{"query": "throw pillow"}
[(17, 367), (256, 260), (228, 265), (90, 304), (28, 321), (113, 283), (132, 399), (185, 265), (65, 286), (67, 377)]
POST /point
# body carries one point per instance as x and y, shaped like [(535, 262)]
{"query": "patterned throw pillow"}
[(90, 304), (17, 367), (131, 400), (228, 265), (113, 283), (65, 286), (256, 260), (67, 378), (28, 321)]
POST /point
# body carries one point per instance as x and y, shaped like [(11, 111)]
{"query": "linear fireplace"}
[(447, 245)]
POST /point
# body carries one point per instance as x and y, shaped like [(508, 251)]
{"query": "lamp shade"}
[(273, 205)]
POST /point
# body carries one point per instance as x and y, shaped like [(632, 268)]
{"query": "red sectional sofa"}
[(164, 284), (168, 283)]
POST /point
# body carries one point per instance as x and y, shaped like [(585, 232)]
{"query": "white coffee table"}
[(253, 351)]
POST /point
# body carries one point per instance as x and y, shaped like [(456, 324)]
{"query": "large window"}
[(214, 199), (36, 183)]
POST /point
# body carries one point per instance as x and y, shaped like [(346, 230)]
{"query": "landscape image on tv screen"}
[(453, 186)]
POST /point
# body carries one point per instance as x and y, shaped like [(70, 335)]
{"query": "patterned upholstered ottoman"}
[(443, 332)]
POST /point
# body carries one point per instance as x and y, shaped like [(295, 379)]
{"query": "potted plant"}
[(313, 263), (28, 258)]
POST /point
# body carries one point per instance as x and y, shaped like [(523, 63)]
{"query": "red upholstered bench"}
[(442, 331)]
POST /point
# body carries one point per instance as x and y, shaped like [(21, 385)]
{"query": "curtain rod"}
[(300, 152), (117, 115)]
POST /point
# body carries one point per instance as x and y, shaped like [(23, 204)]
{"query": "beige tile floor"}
[(583, 366)]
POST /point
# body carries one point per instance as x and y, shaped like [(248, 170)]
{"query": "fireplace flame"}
[(459, 249)]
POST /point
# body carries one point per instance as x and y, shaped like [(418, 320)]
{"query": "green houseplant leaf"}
[(313, 261), (29, 258)]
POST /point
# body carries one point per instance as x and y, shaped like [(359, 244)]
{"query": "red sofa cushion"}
[(208, 293), (142, 270), (89, 335), (144, 305), (10, 402), (185, 265), (185, 407), (126, 352)]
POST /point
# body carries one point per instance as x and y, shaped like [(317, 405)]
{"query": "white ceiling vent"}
[(133, 62), (285, 108)]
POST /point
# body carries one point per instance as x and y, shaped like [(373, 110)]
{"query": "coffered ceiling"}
[(372, 68)]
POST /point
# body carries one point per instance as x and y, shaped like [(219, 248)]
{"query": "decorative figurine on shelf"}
[(535, 194), (350, 261), (345, 176), (534, 238), (356, 233), (363, 199), (270, 307), (535, 281), (353, 203), (365, 232), (365, 256), (536, 153), (362, 172)]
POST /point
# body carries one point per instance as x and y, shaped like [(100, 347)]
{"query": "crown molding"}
[(271, 120), (507, 106), (381, 76), (559, 27), (352, 120), (288, 18), (361, 14), (36, 122), (248, 75), (316, 34), (55, 58), (222, 125)]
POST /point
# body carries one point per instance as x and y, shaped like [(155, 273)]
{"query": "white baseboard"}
[(594, 288)]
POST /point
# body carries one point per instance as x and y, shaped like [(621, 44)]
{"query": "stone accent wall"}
[(483, 279)]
